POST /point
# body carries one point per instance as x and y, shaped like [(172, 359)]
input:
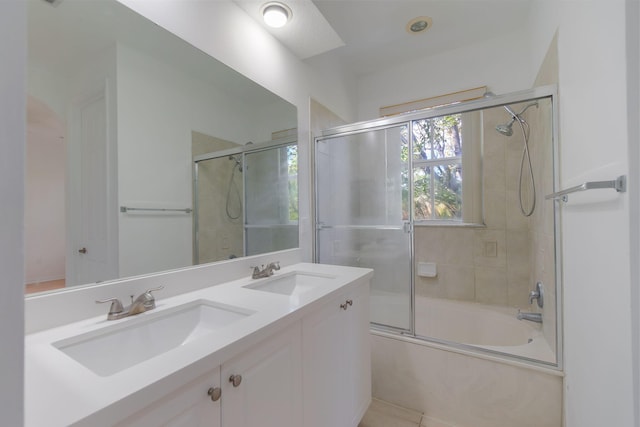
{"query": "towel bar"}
[(126, 209), (619, 184)]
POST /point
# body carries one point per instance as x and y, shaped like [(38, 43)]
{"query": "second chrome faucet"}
[(266, 271)]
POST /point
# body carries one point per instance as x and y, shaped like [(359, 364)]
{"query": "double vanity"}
[(287, 350)]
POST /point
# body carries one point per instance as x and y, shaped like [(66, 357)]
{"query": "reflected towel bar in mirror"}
[(126, 209), (619, 184)]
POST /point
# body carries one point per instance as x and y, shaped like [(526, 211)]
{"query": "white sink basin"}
[(294, 283), (136, 339)]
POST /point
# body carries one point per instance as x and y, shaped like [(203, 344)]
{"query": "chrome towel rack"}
[(126, 209), (619, 184)]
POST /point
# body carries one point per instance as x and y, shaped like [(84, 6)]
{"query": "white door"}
[(263, 386), (92, 243), (363, 215)]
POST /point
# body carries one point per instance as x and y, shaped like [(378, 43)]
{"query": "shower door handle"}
[(407, 227)]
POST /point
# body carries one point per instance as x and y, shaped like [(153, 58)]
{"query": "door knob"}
[(215, 393), (235, 380), (82, 250)]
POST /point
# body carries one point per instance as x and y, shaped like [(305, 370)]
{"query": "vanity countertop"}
[(60, 391)]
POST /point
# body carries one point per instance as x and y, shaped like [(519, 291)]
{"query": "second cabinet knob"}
[(215, 393), (235, 380)]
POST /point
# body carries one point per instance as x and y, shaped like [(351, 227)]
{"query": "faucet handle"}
[(159, 288), (148, 299), (116, 305)]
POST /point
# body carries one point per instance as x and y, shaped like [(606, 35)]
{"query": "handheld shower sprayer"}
[(507, 130)]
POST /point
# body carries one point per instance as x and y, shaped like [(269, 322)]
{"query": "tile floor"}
[(384, 414)]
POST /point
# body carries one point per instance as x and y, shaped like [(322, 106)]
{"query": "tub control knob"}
[(215, 393)]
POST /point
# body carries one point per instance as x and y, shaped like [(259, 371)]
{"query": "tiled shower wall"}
[(497, 263), (220, 237)]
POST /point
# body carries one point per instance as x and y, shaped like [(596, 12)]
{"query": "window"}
[(292, 172), (439, 193)]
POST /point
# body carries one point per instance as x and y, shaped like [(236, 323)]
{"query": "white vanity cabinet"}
[(294, 356), (186, 406), (337, 361), (260, 387)]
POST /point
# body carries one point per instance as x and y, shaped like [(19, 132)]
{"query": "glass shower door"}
[(363, 216), (271, 199)]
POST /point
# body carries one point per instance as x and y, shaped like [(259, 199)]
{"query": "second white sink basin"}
[(136, 339), (293, 283)]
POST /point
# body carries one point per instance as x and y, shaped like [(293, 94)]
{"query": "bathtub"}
[(485, 327), (464, 374)]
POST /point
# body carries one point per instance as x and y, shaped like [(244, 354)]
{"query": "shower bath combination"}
[(507, 130)]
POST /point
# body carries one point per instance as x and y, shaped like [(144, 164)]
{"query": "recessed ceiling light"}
[(276, 14), (419, 25)]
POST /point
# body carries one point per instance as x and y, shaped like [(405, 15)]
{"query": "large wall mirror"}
[(143, 153)]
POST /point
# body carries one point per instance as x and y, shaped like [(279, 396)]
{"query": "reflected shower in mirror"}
[(116, 109), (246, 202)]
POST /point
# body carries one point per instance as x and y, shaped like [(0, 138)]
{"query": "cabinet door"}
[(325, 380), (337, 362), (358, 353), (268, 391), (186, 406)]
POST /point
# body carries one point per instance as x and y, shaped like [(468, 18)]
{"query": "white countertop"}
[(60, 391)]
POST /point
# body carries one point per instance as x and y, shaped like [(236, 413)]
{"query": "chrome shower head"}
[(238, 162), (507, 128)]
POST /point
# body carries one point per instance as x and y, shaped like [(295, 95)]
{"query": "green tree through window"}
[(437, 168)]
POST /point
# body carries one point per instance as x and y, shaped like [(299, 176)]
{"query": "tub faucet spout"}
[(532, 317)]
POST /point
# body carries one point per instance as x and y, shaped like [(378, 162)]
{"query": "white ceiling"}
[(373, 31), (75, 29)]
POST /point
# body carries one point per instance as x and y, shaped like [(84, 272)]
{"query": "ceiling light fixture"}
[(419, 25), (276, 14)]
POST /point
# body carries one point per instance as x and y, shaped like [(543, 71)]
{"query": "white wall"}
[(13, 39), (594, 145), (501, 63), (633, 103), (593, 102)]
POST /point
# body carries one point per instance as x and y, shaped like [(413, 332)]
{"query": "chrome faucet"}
[(532, 317), (145, 302), (266, 271)]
